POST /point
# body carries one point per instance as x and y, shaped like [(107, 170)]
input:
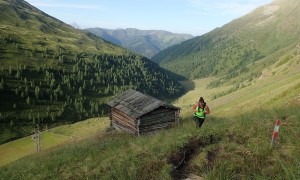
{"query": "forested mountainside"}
[(231, 49), (51, 73)]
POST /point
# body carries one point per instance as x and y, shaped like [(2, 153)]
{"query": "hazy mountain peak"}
[(145, 42)]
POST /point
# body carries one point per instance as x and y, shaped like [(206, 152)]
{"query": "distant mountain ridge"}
[(145, 42), (52, 73), (231, 48)]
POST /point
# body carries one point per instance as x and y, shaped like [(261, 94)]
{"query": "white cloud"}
[(64, 5)]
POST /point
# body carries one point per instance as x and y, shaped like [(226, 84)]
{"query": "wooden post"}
[(275, 133)]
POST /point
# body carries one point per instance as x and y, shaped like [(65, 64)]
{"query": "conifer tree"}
[(52, 83), (10, 71), (17, 91), (33, 121), (2, 84), (37, 92), (38, 118), (28, 100), (48, 111), (11, 125), (26, 90), (80, 91), (22, 94), (18, 75), (52, 117)]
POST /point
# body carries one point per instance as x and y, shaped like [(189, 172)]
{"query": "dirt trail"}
[(181, 158)]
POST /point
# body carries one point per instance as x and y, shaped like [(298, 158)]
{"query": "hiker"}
[(200, 109)]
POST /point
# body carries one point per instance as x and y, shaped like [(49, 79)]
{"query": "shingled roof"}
[(135, 104)]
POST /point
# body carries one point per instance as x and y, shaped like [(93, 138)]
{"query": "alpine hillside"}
[(145, 42), (53, 74), (256, 60), (235, 47)]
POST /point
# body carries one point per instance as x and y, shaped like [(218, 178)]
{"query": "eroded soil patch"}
[(181, 158)]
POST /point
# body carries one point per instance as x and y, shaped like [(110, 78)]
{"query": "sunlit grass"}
[(15, 150), (83, 129)]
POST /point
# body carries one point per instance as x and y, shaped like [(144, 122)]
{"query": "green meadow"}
[(234, 142), (65, 134)]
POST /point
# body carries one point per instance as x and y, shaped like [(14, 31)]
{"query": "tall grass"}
[(243, 153), (116, 156), (246, 153)]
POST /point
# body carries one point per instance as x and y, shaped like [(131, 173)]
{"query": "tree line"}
[(74, 86)]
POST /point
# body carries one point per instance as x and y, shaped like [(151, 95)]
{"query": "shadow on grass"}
[(188, 85), (181, 158)]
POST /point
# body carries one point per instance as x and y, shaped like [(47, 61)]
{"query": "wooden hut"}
[(138, 113)]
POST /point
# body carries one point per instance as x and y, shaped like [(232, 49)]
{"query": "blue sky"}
[(195, 17)]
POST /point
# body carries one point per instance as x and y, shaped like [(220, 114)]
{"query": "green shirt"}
[(200, 112)]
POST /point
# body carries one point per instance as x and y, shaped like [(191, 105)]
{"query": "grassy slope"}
[(243, 121), (229, 49), (250, 114), (15, 150), (31, 26)]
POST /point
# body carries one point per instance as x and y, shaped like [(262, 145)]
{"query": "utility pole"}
[(37, 138)]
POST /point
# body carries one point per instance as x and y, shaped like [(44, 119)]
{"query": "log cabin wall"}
[(160, 118), (123, 121)]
